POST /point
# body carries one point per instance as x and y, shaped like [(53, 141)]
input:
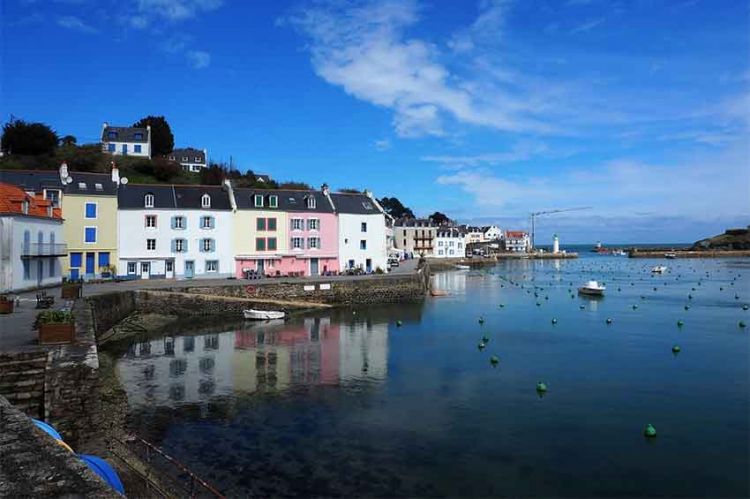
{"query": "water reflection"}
[(174, 370)]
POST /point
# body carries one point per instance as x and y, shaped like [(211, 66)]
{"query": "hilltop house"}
[(31, 240), (175, 231), (363, 240), (126, 141), (190, 159)]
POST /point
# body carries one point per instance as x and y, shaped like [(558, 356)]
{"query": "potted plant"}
[(56, 326), (6, 304), (71, 289), (107, 271)]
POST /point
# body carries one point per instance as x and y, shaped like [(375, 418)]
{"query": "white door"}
[(169, 265), (145, 270)]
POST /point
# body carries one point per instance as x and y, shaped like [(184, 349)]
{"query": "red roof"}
[(12, 200), (515, 234)]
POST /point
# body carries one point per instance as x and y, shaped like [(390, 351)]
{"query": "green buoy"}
[(554, 321), (481, 346), (741, 324), (687, 307), (494, 360), (680, 323), (481, 320), (501, 305), (538, 304), (485, 339), (635, 307), (745, 307), (690, 297), (399, 323), (649, 431), (609, 321), (582, 307), (541, 387), (676, 349)]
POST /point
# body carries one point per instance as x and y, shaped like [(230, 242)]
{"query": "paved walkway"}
[(17, 329)]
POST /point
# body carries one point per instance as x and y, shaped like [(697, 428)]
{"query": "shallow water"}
[(347, 403)]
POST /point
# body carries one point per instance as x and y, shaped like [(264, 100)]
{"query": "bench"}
[(43, 300)]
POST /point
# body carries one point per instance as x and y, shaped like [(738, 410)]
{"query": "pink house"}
[(285, 232)]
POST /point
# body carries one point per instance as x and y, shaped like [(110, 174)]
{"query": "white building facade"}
[(449, 243), (517, 241), (175, 232), (492, 233), (126, 141), (190, 159), (363, 239)]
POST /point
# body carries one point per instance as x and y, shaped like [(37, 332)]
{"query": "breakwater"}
[(660, 253)]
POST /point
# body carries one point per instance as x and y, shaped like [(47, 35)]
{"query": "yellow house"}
[(260, 232), (89, 207)]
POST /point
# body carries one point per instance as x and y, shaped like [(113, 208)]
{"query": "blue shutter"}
[(213, 223), (174, 245), (213, 245), (173, 225), (184, 245)]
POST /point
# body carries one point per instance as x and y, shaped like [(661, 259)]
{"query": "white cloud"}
[(149, 11), (520, 151), (363, 49), (74, 23), (198, 59), (587, 26)]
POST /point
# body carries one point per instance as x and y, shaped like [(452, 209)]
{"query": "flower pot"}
[(71, 291), (57, 333), (6, 307)]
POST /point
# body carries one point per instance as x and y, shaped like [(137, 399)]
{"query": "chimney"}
[(49, 210), (230, 192), (64, 173), (325, 189), (105, 125), (115, 173)]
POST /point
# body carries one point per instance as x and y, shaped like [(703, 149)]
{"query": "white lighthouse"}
[(555, 244)]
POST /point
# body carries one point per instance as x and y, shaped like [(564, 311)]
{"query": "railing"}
[(43, 249)]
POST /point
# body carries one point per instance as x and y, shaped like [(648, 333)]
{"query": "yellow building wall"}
[(75, 221), (245, 231)]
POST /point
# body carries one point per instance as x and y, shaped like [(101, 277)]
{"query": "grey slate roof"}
[(83, 183), (132, 196), (124, 134), (191, 154), (358, 204), (414, 222), (289, 200)]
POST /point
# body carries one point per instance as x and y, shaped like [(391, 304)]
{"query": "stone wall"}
[(33, 465), (111, 308), (365, 291), (22, 376)]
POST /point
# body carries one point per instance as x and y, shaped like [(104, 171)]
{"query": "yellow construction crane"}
[(537, 213)]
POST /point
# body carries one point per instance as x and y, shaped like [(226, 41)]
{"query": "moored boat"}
[(670, 255), (438, 292), (463, 267), (659, 269), (262, 315), (592, 288)]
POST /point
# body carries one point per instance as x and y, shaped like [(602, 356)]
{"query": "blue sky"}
[(483, 110)]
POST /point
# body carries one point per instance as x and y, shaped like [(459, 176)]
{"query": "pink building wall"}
[(298, 260)]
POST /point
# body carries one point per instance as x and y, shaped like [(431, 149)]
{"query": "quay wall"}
[(659, 253)]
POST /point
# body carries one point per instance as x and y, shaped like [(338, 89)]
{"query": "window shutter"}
[(174, 246), (212, 223), (200, 245), (213, 245), (184, 245), (173, 223)]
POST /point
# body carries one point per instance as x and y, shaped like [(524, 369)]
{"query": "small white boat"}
[(463, 267), (592, 288), (262, 315), (619, 253), (670, 256), (659, 269)]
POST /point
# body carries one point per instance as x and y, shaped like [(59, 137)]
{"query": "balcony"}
[(34, 250)]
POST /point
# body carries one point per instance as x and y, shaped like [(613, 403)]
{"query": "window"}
[(273, 201), (205, 201), (112, 135), (89, 234), (271, 223), (207, 222), (351, 264), (440, 243), (26, 269), (366, 205), (260, 224), (260, 244), (151, 221), (138, 136), (131, 267), (53, 195), (25, 207), (313, 242), (52, 267), (76, 259), (151, 244), (104, 259), (124, 148), (451, 243), (271, 244), (297, 243), (148, 200), (207, 245), (297, 224), (184, 159), (363, 244), (258, 199), (137, 148), (363, 227), (212, 265), (82, 186), (440, 252), (179, 246), (313, 224), (98, 187), (178, 222), (197, 159), (111, 147), (310, 202)]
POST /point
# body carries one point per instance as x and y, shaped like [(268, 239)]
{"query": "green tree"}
[(440, 218), (214, 174), (395, 208), (68, 140), (162, 139), (350, 190), (21, 137), (293, 185), (165, 170)]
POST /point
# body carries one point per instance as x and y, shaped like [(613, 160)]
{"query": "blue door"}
[(74, 274), (189, 269), (314, 266), (124, 149), (90, 260)]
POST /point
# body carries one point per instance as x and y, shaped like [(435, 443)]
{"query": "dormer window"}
[(185, 158), (138, 136), (205, 201), (310, 202), (366, 205), (25, 207), (82, 186), (111, 135), (258, 200), (197, 159), (98, 187), (273, 201), (148, 200)]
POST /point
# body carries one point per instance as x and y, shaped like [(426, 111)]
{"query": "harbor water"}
[(352, 402)]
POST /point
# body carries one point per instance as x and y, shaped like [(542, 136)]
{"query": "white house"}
[(190, 159), (449, 243), (362, 232), (126, 141), (517, 241), (492, 233), (175, 231), (31, 240)]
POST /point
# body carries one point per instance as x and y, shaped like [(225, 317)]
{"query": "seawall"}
[(659, 253)]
